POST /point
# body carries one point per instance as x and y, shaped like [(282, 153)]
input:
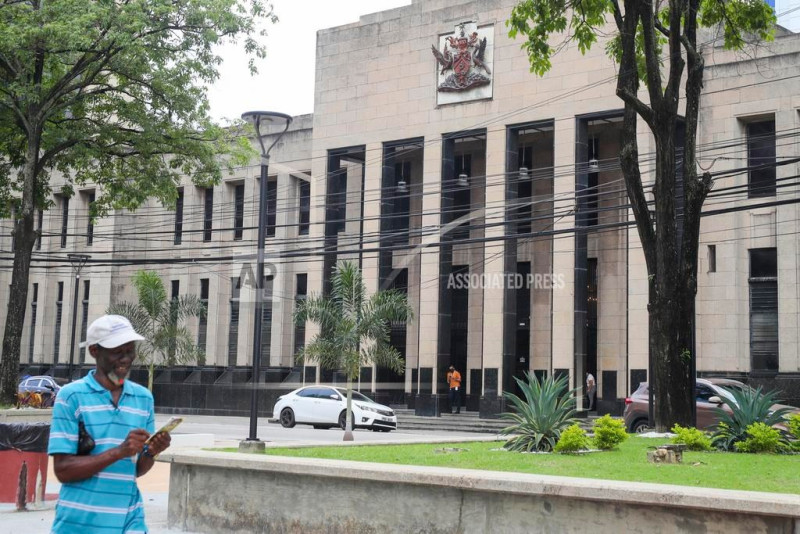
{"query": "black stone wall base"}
[(491, 407), (233, 376), (380, 397), (611, 407), (473, 403), (427, 405), (411, 401)]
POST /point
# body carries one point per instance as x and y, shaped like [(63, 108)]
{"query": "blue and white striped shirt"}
[(108, 502)]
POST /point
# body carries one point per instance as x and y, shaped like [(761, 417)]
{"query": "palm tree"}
[(159, 320), (354, 328)]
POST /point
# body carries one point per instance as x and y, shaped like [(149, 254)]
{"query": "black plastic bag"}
[(25, 437)]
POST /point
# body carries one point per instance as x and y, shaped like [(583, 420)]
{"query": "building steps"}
[(463, 422)]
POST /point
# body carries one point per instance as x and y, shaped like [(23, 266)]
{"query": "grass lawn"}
[(754, 472)]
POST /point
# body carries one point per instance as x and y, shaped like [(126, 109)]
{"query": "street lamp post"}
[(260, 119), (77, 261)]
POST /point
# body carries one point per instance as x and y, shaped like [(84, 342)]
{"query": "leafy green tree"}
[(354, 328), (160, 321), (111, 94), (655, 43)]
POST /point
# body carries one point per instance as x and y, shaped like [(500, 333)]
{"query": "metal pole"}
[(74, 322), (257, 119), (78, 261), (259, 303)]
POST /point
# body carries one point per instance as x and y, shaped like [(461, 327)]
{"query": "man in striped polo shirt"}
[(99, 492)]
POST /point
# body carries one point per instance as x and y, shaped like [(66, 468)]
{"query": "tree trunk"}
[(672, 351), (24, 239), (348, 425)]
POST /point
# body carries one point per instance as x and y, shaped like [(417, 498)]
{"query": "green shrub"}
[(609, 432), (763, 438), (695, 440), (573, 439), (538, 420), (748, 406), (794, 426)]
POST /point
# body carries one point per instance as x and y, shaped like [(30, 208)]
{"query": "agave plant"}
[(748, 406), (540, 418)]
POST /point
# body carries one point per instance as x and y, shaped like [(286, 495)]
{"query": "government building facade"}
[(492, 197)]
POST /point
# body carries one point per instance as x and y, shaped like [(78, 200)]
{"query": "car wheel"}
[(287, 418), (343, 420), (640, 426)]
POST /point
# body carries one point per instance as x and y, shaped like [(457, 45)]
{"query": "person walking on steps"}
[(454, 381), (591, 390)]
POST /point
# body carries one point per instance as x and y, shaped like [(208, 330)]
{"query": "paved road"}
[(228, 431), (206, 431)]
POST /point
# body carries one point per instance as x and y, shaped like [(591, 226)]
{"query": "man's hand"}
[(159, 443), (134, 443)]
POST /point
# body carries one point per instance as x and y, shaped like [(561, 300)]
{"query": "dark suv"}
[(710, 392)]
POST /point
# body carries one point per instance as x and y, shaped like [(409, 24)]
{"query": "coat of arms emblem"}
[(463, 53)]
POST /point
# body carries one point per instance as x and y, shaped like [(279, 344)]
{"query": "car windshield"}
[(356, 396)]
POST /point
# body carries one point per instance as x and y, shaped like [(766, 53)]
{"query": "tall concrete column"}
[(428, 287), (564, 249), (491, 380), (371, 229)]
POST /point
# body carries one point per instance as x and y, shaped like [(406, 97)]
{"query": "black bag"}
[(85, 440)]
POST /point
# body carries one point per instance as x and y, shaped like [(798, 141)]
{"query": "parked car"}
[(47, 386), (710, 392), (324, 407)]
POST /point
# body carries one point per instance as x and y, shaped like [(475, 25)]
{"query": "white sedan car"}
[(324, 407)]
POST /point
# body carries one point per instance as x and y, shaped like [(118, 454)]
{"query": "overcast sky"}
[(285, 82)]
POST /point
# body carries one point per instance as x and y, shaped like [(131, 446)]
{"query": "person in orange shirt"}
[(454, 381)]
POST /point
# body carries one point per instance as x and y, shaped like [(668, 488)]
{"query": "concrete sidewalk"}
[(154, 487)]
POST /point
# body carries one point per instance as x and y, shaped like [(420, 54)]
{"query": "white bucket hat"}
[(110, 331)]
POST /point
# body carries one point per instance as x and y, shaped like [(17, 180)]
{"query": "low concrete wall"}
[(26, 415), (218, 492)]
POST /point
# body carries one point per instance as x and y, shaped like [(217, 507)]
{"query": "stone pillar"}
[(564, 250), (426, 388)]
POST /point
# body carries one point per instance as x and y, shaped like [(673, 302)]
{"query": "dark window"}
[(524, 188), (761, 158), (89, 222), (238, 213), (402, 203), (202, 329), (305, 207), (64, 221), (175, 288), (32, 336), (84, 318), (233, 328), (764, 309), (208, 213), (266, 319), (57, 332), (703, 392), (272, 205), (712, 258), (462, 194), (179, 217), (307, 393), (39, 231), (592, 184), (300, 294)]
